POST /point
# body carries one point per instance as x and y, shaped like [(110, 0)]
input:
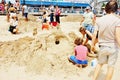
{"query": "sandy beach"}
[(25, 56)]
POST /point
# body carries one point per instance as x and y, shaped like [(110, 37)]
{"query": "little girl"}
[(80, 51), (45, 23), (13, 25)]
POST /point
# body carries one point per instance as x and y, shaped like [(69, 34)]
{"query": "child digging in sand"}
[(89, 36), (81, 51)]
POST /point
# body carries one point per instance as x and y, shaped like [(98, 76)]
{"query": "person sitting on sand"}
[(13, 25), (81, 52)]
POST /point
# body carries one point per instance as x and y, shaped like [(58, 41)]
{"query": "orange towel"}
[(45, 26)]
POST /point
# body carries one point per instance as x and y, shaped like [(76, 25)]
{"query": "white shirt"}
[(25, 9), (13, 22), (106, 26), (88, 17)]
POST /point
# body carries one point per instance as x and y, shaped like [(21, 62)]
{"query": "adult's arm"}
[(89, 33), (118, 35), (22, 10), (94, 19), (93, 40), (75, 52), (82, 19)]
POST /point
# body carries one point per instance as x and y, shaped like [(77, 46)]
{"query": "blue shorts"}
[(73, 58), (90, 28)]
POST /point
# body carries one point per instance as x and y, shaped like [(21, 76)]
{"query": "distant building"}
[(12, 1), (61, 3)]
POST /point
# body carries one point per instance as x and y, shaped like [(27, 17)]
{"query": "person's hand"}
[(92, 49)]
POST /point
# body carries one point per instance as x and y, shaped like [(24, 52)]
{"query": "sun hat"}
[(88, 7)]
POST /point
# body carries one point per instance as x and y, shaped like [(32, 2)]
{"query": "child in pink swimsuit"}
[(81, 51)]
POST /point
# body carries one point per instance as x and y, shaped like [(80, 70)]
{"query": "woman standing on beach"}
[(57, 14), (108, 29)]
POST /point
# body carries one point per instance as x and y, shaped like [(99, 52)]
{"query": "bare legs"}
[(97, 71), (108, 75)]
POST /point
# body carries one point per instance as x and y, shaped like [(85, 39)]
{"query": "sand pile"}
[(44, 54), (41, 55), (36, 54)]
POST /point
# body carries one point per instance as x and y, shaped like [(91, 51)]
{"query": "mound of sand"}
[(39, 54)]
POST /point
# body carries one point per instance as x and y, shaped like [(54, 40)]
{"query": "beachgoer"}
[(57, 14), (17, 6), (51, 13), (44, 17), (81, 52), (25, 12), (13, 25), (45, 23), (2, 8), (12, 11), (108, 28), (88, 35), (88, 20), (52, 16), (52, 22)]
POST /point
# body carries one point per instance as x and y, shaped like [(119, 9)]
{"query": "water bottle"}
[(94, 63)]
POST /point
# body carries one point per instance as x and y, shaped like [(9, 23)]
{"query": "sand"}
[(25, 56)]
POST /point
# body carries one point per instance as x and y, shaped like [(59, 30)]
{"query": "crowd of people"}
[(12, 10), (104, 32), (54, 19)]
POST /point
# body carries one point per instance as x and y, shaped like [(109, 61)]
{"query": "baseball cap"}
[(88, 7)]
